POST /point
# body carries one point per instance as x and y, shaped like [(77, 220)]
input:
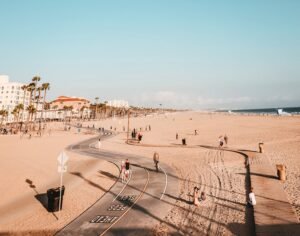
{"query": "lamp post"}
[(128, 125), (96, 98)]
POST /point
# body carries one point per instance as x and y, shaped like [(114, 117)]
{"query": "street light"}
[(128, 124)]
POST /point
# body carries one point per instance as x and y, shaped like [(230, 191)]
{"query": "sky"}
[(181, 54)]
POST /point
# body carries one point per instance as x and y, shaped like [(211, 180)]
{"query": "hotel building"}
[(11, 95)]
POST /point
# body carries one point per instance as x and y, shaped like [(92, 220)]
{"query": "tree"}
[(45, 86), (35, 80), (17, 109), (30, 89), (82, 110), (38, 98), (24, 88), (3, 114), (31, 110)]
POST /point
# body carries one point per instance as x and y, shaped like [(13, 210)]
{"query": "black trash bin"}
[(183, 141), (53, 198)]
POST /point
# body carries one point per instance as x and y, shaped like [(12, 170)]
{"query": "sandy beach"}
[(222, 175)]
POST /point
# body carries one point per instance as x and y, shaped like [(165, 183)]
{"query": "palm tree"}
[(38, 97), (82, 110), (35, 80), (31, 110), (17, 109), (15, 113), (24, 88), (3, 114), (30, 89), (45, 86)]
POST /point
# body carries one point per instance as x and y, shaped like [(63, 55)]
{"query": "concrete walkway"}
[(273, 214), (131, 208)]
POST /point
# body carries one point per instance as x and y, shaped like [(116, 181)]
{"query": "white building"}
[(118, 103), (11, 95)]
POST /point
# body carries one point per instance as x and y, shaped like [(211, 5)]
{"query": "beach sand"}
[(222, 175), (29, 168)]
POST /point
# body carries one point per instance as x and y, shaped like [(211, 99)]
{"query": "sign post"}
[(62, 167)]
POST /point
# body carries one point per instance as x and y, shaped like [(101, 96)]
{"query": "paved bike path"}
[(128, 208)]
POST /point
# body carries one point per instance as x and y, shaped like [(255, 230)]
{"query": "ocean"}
[(282, 110)]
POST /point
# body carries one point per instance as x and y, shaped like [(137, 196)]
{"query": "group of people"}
[(223, 140), (134, 135)]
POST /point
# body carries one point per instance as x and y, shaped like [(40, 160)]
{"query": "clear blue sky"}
[(194, 54)]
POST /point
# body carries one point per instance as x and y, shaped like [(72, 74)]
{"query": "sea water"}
[(289, 110)]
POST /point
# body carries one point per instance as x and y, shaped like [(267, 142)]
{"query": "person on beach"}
[(149, 128), (99, 143), (196, 196), (123, 169), (140, 136), (225, 139), (176, 136), (156, 160), (252, 200), (221, 141), (196, 132), (203, 196)]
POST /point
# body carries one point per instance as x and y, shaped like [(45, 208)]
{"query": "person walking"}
[(140, 136), (176, 136), (99, 143), (123, 171), (252, 200), (156, 160), (127, 169)]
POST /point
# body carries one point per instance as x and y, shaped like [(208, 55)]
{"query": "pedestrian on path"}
[(127, 169), (156, 160), (123, 169), (99, 144), (252, 200)]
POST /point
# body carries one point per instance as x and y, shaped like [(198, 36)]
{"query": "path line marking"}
[(165, 184), (142, 192)]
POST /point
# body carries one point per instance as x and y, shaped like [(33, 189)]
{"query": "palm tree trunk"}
[(43, 108)]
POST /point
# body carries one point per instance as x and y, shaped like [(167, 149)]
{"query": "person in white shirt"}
[(252, 200)]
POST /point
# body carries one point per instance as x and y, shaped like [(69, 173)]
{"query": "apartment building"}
[(11, 95)]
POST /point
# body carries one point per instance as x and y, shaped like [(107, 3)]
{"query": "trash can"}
[(281, 172), (261, 147), (53, 198), (183, 141)]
